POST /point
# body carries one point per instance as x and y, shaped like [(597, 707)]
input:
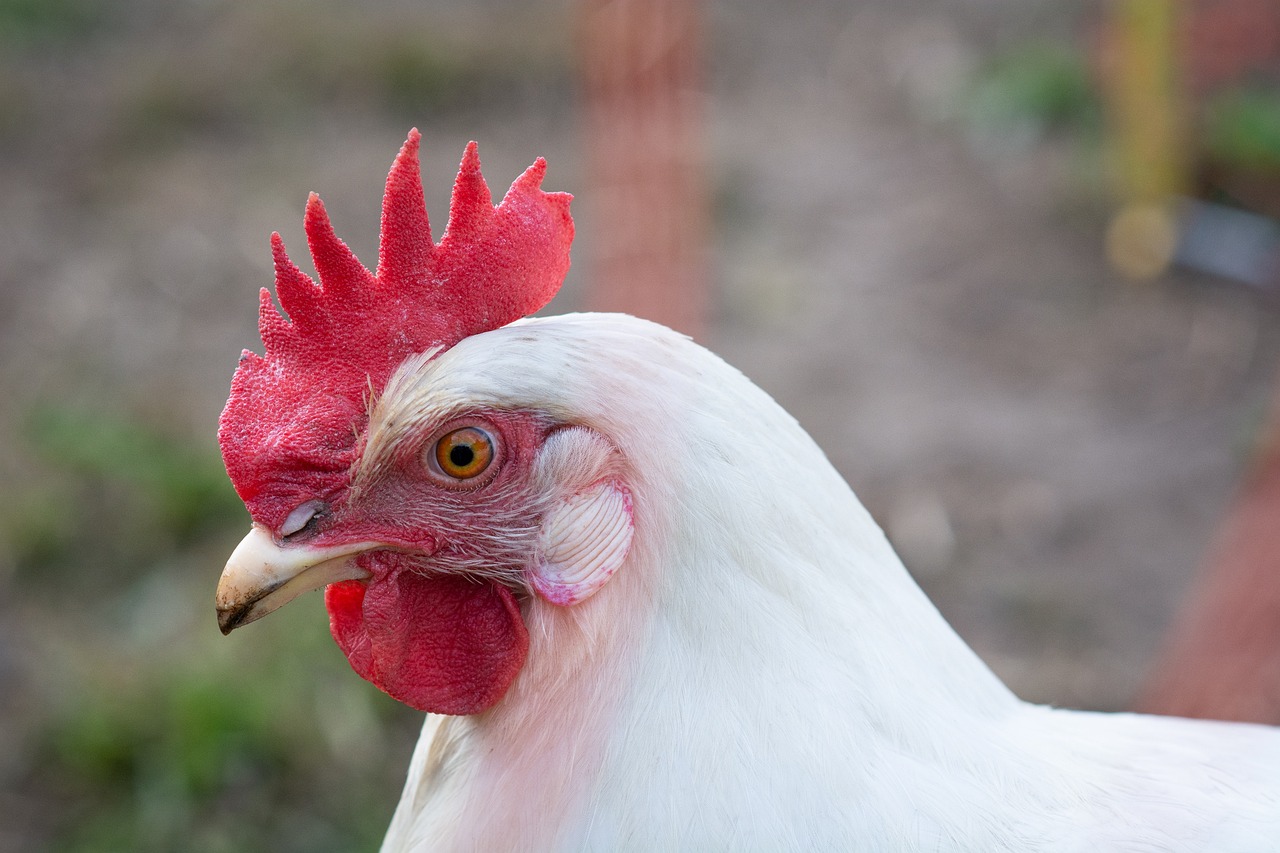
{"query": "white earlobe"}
[(583, 541)]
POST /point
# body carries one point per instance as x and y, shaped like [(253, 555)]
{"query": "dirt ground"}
[(1049, 447)]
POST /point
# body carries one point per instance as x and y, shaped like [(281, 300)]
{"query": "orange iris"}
[(464, 453)]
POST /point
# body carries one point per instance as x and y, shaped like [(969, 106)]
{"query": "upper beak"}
[(262, 576)]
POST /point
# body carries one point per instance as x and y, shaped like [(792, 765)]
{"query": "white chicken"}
[(645, 611)]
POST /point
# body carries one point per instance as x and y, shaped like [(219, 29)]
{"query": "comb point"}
[(471, 156), (272, 327), (471, 205), (340, 271), (296, 291), (531, 178), (405, 246)]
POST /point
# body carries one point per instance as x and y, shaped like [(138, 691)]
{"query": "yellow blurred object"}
[(1141, 240), (1149, 134)]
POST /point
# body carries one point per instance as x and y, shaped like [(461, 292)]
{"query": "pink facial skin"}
[(433, 626)]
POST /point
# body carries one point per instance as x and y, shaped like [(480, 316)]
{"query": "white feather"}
[(762, 673)]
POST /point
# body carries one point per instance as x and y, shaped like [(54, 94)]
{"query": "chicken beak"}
[(262, 576)]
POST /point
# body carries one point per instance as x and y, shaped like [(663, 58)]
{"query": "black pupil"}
[(462, 455)]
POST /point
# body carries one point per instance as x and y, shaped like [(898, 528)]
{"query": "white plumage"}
[(761, 672)]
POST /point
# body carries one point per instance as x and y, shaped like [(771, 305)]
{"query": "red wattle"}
[(439, 643), (345, 602)]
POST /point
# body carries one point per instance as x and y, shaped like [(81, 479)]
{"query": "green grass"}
[(154, 732), (1038, 88), (183, 485), (39, 22), (111, 497), (262, 741), (1242, 129)]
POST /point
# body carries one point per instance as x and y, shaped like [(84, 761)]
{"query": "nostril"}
[(303, 518)]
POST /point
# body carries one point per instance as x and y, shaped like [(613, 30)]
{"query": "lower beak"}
[(262, 576)]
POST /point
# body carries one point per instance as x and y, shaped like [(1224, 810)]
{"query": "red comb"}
[(303, 403)]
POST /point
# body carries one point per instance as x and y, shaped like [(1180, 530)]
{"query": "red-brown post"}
[(1222, 657), (642, 85)]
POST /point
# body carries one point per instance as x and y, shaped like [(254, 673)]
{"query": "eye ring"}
[(463, 454)]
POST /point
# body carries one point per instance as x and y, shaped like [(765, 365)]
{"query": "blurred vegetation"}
[(118, 475), (1035, 89), (409, 74), (274, 64), (157, 733), (228, 67), (37, 22), (1242, 128), (1039, 102), (283, 751), (1041, 91)]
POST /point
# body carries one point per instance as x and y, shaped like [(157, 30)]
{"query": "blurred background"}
[(1012, 262)]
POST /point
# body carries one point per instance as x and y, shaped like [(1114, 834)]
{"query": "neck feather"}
[(759, 592)]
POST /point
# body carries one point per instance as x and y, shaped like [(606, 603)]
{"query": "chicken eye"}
[(464, 454)]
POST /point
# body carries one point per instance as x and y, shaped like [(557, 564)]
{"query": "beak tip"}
[(229, 620)]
